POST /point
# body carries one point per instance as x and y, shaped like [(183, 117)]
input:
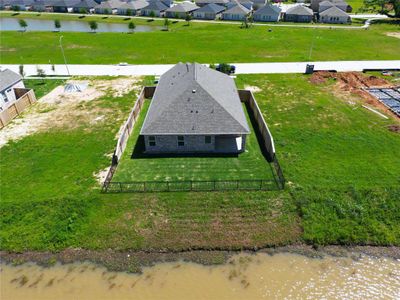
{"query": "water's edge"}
[(134, 261)]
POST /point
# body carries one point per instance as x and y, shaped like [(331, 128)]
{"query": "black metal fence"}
[(189, 186)]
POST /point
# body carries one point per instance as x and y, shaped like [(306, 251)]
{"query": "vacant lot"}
[(203, 43), (135, 166), (340, 161)]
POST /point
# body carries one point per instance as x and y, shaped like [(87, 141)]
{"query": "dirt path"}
[(63, 110)]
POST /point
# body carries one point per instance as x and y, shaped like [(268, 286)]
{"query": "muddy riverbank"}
[(135, 261)]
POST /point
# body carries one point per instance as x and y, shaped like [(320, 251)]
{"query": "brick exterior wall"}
[(169, 143)]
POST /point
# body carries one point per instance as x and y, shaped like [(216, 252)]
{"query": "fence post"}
[(237, 184), (191, 185), (120, 187), (144, 186), (214, 185), (168, 186)]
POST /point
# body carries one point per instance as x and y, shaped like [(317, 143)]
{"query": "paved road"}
[(241, 68)]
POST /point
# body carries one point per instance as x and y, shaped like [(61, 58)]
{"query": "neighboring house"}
[(195, 110), (259, 3), (334, 15), (84, 6), (132, 7), (180, 10), (9, 80), (209, 12), (343, 5), (299, 13), (202, 3), (324, 5), (267, 13), (59, 6), (108, 7), (246, 3), (157, 7), (39, 5), (21, 4), (236, 13)]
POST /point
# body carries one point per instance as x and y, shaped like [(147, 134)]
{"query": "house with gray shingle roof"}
[(108, 7), (299, 13), (132, 7), (334, 15), (157, 7), (195, 110), (324, 5), (236, 13), (84, 6), (9, 81), (202, 3), (209, 12), (180, 10), (267, 13)]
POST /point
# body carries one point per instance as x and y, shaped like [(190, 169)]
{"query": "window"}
[(207, 139), (152, 141), (181, 140)]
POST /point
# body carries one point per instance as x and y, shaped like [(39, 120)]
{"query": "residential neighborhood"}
[(231, 10), (199, 149)]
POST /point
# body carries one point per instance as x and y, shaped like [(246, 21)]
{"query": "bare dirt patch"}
[(394, 128), (59, 109), (393, 34), (351, 86)]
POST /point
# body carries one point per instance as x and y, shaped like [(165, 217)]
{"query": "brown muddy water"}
[(245, 276)]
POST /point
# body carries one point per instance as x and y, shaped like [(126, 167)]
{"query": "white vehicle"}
[(123, 64)]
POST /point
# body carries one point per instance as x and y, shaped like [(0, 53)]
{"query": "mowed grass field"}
[(138, 167), (339, 160), (202, 42)]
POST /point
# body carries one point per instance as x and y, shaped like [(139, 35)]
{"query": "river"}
[(11, 24), (244, 276)]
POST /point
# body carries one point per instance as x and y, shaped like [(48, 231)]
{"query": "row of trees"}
[(92, 24)]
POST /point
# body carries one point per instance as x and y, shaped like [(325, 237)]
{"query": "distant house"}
[(180, 10), (108, 7), (84, 6), (343, 5), (62, 6), (324, 5), (209, 12), (195, 110), (202, 3), (246, 3), (236, 13), (299, 13), (21, 4), (9, 81), (259, 3), (39, 5), (157, 7), (132, 7), (267, 13), (334, 15)]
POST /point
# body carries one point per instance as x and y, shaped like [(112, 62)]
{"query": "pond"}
[(244, 276), (11, 24)]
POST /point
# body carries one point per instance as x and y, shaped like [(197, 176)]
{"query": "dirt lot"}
[(351, 85), (61, 109)]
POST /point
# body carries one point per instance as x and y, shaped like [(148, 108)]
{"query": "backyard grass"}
[(340, 161), (202, 42), (42, 87), (248, 165)]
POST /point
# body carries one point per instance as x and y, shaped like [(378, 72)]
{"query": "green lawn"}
[(202, 42), (42, 87), (249, 165), (339, 159)]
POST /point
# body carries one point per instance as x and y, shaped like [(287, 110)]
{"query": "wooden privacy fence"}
[(25, 97), (146, 92)]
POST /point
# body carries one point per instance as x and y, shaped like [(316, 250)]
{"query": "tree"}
[(93, 26), (106, 11), (129, 12), (21, 71), (22, 23), (41, 73), (188, 18), (57, 24), (131, 26), (152, 14), (384, 7), (82, 11), (166, 24)]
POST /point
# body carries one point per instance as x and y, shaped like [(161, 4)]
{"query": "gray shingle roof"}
[(183, 7), (268, 9), (110, 4), (137, 4), (156, 6), (85, 4), (237, 9), (211, 8), (221, 2), (192, 99), (8, 78), (334, 12), (300, 10)]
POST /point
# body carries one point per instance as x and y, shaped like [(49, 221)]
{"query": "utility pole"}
[(312, 45), (62, 51)]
